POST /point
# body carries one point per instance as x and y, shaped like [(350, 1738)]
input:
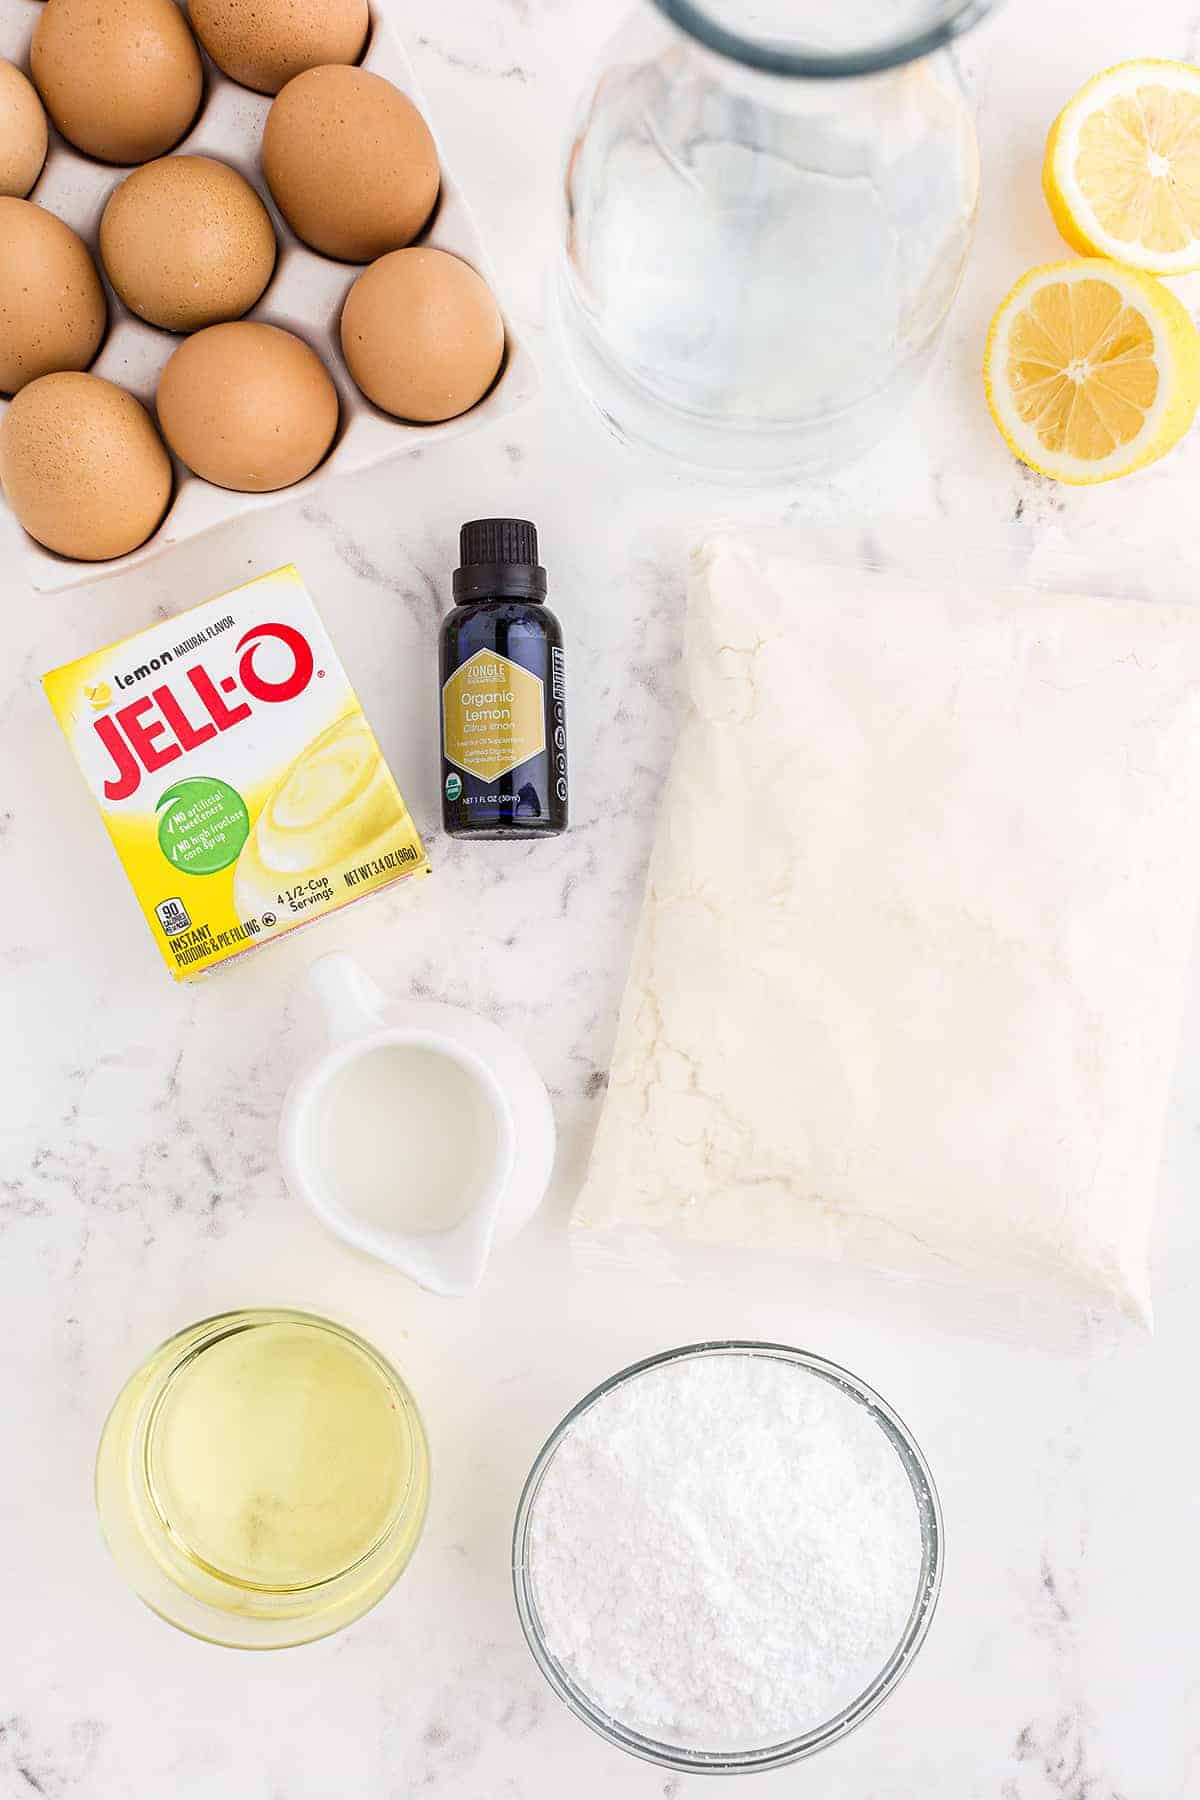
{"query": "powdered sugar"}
[(724, 1551)]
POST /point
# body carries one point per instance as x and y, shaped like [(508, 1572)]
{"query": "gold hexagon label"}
[(493, 716)]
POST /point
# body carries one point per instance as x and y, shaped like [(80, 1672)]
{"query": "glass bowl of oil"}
[(262, 1480)]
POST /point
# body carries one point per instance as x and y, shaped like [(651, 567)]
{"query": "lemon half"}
[(1091, 371), (1122, 167)]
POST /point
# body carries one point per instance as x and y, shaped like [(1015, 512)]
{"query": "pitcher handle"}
[(350, 1000)]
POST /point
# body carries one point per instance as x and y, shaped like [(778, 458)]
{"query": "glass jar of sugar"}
[(726, 1556)]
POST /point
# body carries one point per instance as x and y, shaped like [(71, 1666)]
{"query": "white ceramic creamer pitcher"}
[(421, 1135)]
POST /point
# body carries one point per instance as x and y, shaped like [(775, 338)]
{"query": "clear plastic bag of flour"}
[(915, 951)]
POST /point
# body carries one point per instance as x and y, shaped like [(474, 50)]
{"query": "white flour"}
[(939, 943), (725, 1552)]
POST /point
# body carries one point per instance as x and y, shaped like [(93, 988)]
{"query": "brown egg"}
[(121, 80), (22, 132), (83, 467), (422, 335), (264, 44), (351, 163), (247, 406), (52, 306), (187, 242)]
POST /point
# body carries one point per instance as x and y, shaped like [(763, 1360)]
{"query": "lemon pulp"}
[(1082, 368), (1122, 167), (278, 1456), (1091, 370), (1140, 159)]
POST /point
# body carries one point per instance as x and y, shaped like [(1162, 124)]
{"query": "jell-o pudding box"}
[(235, 772)]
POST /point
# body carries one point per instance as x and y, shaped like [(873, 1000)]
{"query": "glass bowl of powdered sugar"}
[(727, 1556)]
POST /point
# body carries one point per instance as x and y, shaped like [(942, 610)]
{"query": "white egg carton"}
[(305, 295)]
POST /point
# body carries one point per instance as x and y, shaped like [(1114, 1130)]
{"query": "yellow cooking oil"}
[(263, 1479)]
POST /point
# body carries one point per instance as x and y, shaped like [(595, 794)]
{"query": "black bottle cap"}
[(499, 559)]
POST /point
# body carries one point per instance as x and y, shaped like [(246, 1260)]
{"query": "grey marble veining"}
[(138, 1181)]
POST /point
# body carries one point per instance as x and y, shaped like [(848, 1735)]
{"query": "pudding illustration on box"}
[(235, 771)]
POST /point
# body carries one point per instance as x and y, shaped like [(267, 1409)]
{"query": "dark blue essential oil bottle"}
[(504, 717)]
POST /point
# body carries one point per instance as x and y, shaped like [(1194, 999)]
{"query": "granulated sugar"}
[(724, 1551)]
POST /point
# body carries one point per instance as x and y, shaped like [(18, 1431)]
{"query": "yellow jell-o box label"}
[(235, 771)]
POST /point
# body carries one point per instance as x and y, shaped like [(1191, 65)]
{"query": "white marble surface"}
[(138, 1180)]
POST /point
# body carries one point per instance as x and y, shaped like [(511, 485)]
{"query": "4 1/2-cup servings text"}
[(235, 771)]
